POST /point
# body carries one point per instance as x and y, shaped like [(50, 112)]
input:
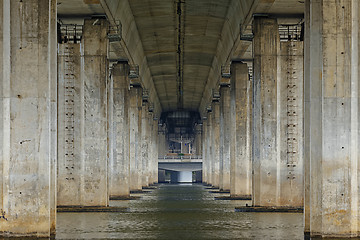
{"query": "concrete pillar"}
[(135, 115), (82, 139), (225, 138), (331, 120), (145, 134), (119, 165), (28, 124), (277, 155), (215, 143), (198, 140), (204, 151), (241, 132), (155, 136), (209, 146)]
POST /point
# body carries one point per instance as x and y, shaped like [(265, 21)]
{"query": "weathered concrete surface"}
[(204, 151), (225, 140), (215, 154), (155, 156), (290, 101), (28, 122), (241, 133), (332, 118), (69, 119), (119, 163), (277, 142), (135, 112), (83, 140), (209, 148), (145, 136)]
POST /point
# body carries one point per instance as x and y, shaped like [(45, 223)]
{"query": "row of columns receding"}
[(282, 140)]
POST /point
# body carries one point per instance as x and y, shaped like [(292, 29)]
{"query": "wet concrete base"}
[(139, 191), (245, 197), (220, 191), (269, 209), (91, 209), (124, 197)]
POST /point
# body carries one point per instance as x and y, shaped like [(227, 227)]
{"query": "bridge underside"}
[(95, 93)]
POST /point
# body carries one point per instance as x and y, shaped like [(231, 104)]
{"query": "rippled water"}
[(180, 212)]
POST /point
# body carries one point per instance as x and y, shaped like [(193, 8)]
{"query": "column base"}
[(220, 191), (270, 209), (91, 209), (114, 197), (243, 197)]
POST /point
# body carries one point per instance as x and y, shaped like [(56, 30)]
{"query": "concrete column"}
[(155, 135), (198, 140), (119, 165), (82, 139), (241, 132), (209, 146), (225, 138), (28, 124), (277, 117), (331, 120), (215, 143), (204, 152), (145, 134), (135, 112)]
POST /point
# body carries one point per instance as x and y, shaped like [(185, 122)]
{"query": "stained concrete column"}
[(135, 116), (332, 118), (28, 124), (145, 136), (198, 140), (241, 132), (215, 143), (209, 148), (82, 139), (277, 118), (155, 142), (204, 151), (119, 165), (225, 138)]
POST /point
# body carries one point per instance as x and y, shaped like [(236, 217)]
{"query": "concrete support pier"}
[(28, 123), (332, 119), (225, 133), (119, 162), (82, 139), (209, 147), (241, 132), (277, 118), (204, 151), (215, 154), (144, 165), (135, 112)]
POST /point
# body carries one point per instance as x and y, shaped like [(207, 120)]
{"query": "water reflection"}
[(180, 212)]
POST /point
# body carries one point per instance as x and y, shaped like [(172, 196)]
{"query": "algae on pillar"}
[(240, 119), (28, 123), (332, 118)]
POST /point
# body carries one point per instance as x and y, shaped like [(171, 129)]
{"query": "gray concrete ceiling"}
[(209, 38)]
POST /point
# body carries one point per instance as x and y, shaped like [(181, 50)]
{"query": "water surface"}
[(179, 212)]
